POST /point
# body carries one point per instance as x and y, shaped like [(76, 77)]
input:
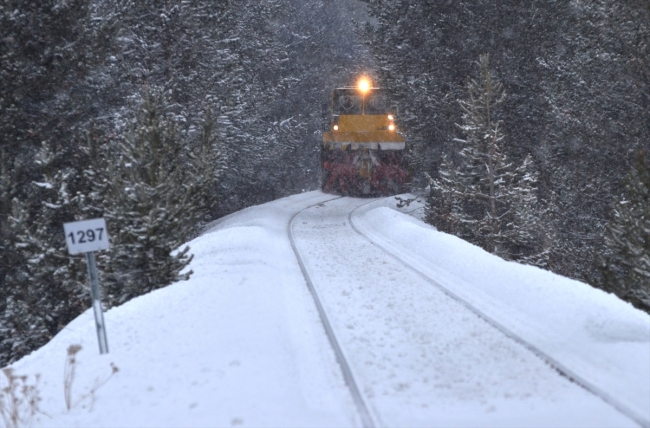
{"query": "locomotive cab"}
[(362, 151)]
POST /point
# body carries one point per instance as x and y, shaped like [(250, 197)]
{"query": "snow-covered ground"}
[(241, 343), (591, 335)]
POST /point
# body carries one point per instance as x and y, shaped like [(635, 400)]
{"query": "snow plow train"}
[(363, 152)]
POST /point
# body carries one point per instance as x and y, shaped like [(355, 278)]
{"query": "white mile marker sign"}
[(88, 236)]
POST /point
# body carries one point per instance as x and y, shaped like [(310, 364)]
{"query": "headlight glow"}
[(336, 127), (391, 127), (364, 85)]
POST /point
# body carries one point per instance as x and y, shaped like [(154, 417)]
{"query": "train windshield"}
[(377, 103), (347, 101)]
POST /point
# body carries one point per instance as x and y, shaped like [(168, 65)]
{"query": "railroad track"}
[(554, 363), (359, 401), (368, 419)]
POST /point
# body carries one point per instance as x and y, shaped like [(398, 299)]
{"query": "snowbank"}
[(240, 343)]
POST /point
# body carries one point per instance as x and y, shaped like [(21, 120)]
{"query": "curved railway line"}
[(350, 381), (368, 419)]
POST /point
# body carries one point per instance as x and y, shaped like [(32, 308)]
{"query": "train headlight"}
[(391, 127), (335, 127), (390, 117), (364, 85)]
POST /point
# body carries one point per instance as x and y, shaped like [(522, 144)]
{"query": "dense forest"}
[(576, 79), (162, 116)]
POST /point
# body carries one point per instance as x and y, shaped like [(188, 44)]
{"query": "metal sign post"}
[(87, 237)]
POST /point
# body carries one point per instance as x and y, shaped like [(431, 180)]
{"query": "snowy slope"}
[(238, 344), (241, 344)]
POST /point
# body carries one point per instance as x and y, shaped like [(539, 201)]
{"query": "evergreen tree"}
[(486, 199), (209, 163), (577, 76), (159, 190), (10, 259), (47, 289), (48, 52), (627, 241)]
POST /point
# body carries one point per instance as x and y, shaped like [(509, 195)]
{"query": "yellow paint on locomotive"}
[(374, 129), (361, 128)]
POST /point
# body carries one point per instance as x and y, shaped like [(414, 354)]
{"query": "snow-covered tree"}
[(8, 183), (577, 75), (47, 289), (158, 192), (49, 51), (627, 240), (486, 199), (210, 163), (145, 202)]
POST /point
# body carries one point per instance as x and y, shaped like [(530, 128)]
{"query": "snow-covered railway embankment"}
[(413, 352), (552, 361)]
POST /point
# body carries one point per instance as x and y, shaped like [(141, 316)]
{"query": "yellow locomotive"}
[(362, 152)]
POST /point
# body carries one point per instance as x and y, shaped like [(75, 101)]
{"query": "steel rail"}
[(552, 362), (355, 392)]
